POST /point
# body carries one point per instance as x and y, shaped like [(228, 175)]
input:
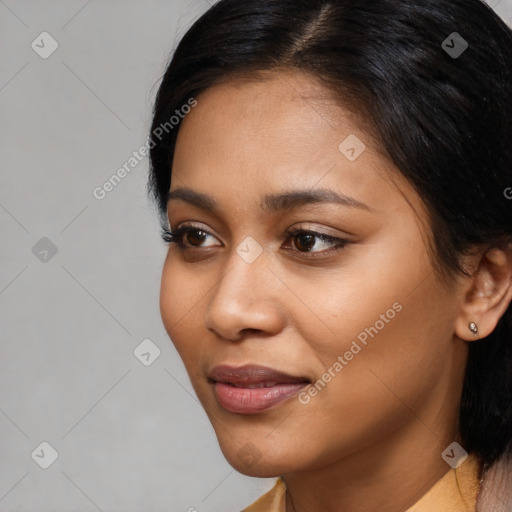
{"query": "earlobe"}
[(468, 331), (487, 295)]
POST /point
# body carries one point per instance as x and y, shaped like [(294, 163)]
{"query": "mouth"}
[(252, 389)]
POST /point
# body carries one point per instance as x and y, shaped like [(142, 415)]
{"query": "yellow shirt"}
[(456, 491)]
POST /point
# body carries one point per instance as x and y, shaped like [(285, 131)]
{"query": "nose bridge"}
[(243, 281), (245, 295), (246, 271)]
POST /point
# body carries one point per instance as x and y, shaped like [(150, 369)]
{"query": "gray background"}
[(129, 437)]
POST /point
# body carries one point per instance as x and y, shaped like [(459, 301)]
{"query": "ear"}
[(486, 294)]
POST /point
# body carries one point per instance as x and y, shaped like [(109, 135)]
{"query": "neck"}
[(389, 475)]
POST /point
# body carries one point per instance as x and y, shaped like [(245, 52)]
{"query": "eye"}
[(194, 235), (306, 240)]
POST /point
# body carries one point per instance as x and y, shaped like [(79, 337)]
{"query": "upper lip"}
[(252, 374)]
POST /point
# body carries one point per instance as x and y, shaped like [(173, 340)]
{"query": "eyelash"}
[(176, 237)]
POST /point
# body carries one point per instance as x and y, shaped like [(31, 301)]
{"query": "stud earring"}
[(473, 328)]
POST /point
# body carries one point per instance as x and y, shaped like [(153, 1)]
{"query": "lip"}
[(251, 389)]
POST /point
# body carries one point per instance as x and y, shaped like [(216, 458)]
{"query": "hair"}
[(445, 121)]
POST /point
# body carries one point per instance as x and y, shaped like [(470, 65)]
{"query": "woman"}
[(333, 179)]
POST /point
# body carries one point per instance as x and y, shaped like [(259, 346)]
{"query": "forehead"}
[(272, 109), (247, 137)]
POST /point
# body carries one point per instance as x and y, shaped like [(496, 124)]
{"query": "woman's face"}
[(363, 327)]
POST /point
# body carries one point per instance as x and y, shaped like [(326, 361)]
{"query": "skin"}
[(371, 439)]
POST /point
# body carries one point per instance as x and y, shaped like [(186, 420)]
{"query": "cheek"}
[(374, 350), (386, 355), (180, 300), (364, 302)]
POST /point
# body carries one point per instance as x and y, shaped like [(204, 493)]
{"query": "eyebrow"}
[(272, 203)]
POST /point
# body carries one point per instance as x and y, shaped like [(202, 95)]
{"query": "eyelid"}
[(172, 237), (182, 230), (337, 243), (310, 227), (305, 226)]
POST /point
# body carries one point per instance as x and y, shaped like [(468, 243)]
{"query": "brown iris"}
[(198, 235), (306, 239)]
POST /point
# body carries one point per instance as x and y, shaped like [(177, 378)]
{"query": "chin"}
[(260, 469), (251, 461)]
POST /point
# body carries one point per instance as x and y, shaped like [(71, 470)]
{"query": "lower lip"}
[(256, 400)]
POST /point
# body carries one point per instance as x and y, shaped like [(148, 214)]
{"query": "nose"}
[(245, 299)]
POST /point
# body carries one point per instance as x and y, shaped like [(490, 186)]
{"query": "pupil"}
[(309, 240), (198, 235)]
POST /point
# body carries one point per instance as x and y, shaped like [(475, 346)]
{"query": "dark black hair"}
[(441, 111)]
